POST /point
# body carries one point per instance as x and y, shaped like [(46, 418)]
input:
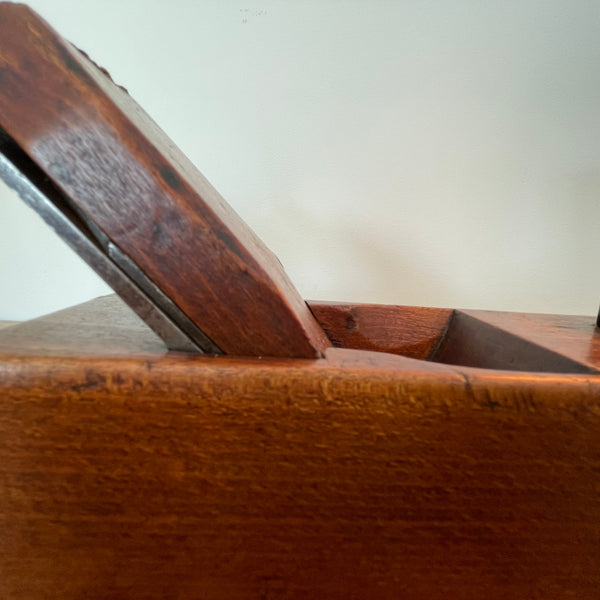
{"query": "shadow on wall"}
[(337, 259)]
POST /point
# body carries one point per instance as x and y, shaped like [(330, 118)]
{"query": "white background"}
[(409, 152)]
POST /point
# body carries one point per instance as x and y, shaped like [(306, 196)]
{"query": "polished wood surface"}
[(407, 330), (118, 168), (361, 475)]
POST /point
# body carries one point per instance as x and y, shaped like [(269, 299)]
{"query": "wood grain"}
[(121, 171), (407, 330), (486, 339), (362, 475), (106, 326)]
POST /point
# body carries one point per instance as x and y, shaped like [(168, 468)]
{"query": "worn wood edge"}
[(107, 326), (356, 367)]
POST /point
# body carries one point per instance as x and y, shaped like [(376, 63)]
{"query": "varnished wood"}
[(362, 475), (118, 168), (488, 339), (106, 326), (406, 330)]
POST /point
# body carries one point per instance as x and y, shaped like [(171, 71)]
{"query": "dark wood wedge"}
[(148, 207)]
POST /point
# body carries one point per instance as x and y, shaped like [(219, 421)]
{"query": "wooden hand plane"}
[(232, 440)]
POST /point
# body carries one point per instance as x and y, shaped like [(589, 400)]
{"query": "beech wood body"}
[(136, 473)]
